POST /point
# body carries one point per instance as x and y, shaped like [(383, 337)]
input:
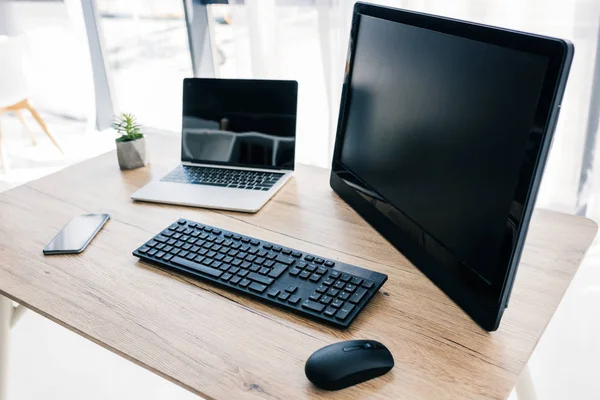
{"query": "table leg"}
[(6, 315), (524, 387)]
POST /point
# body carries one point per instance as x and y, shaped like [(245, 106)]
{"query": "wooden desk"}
[(224, 346)]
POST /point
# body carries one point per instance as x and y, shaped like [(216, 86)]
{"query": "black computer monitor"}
[(443, 134)]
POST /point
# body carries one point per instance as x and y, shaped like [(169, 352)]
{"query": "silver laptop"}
[(238, 143)]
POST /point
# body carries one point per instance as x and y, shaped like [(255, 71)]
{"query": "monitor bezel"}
[(484, 302), (290, 85)]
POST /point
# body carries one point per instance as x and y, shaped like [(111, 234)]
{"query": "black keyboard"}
[(233, 178), (325, 290)]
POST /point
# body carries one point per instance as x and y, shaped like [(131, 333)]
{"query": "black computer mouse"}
[(344, 364)]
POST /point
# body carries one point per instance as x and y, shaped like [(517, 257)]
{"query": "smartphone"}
[(77, 234)]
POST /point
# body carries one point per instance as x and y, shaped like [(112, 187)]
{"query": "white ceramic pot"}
[(132, 154)]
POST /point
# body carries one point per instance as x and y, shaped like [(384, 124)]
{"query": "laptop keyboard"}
[(233, 178)]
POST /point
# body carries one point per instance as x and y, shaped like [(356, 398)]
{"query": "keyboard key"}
[(254, 242), (356, 281), (294, 300), (267, 246), (260, 278), (283, 296), (350, 288), (296, 254), (345, 310), (322, 289), (278, 269), (330, 311), (328, 282), (333, 292), (358, 295), (273, 293), (337, 303), (367, 284), (326, 299), (284, 260), (215, 273), (244, 283), (234, 270), (257, 287), (294, 272), (224, 267), (235, 280), (313, 306), (277, 248), (242, 273), (315, 278), (264, 271), (334, 274), (143, 249), (168, 257), (255, 268), (319, 261), (339, 285), (301, 264), (287, 252), (315, 296), (183, 253), (344, 296), (346, 277), (291, 288), (311, 268), (309, 258), (304, 275), (321, 270)]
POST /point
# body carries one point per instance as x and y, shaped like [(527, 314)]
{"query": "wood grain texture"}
[(224, 346)]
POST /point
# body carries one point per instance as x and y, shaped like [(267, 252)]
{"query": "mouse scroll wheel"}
[(367, 345)]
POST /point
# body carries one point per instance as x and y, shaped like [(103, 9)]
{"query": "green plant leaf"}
[(127, 126)]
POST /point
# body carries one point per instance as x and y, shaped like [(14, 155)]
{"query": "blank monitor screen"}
[(440, 136), (239, 122), (445, 141)]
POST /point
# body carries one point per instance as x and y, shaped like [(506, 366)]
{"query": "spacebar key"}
[(215, 273)]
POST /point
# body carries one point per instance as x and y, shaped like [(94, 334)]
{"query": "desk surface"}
[(224, 346)]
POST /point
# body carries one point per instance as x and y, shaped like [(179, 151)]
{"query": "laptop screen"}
[(236, 122)]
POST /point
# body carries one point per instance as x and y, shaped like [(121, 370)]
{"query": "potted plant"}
[(131, 145)]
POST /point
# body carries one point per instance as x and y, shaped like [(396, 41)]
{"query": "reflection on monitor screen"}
[(239, 122)]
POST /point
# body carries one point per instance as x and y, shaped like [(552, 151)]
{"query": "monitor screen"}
[(442, 142), (443, 133), (236, 122)]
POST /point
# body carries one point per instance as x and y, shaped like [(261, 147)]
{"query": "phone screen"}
[(75, 236)]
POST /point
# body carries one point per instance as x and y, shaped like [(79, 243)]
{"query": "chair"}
[(14, 91)]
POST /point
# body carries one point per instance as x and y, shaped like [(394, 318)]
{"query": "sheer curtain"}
[(307, 41)]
